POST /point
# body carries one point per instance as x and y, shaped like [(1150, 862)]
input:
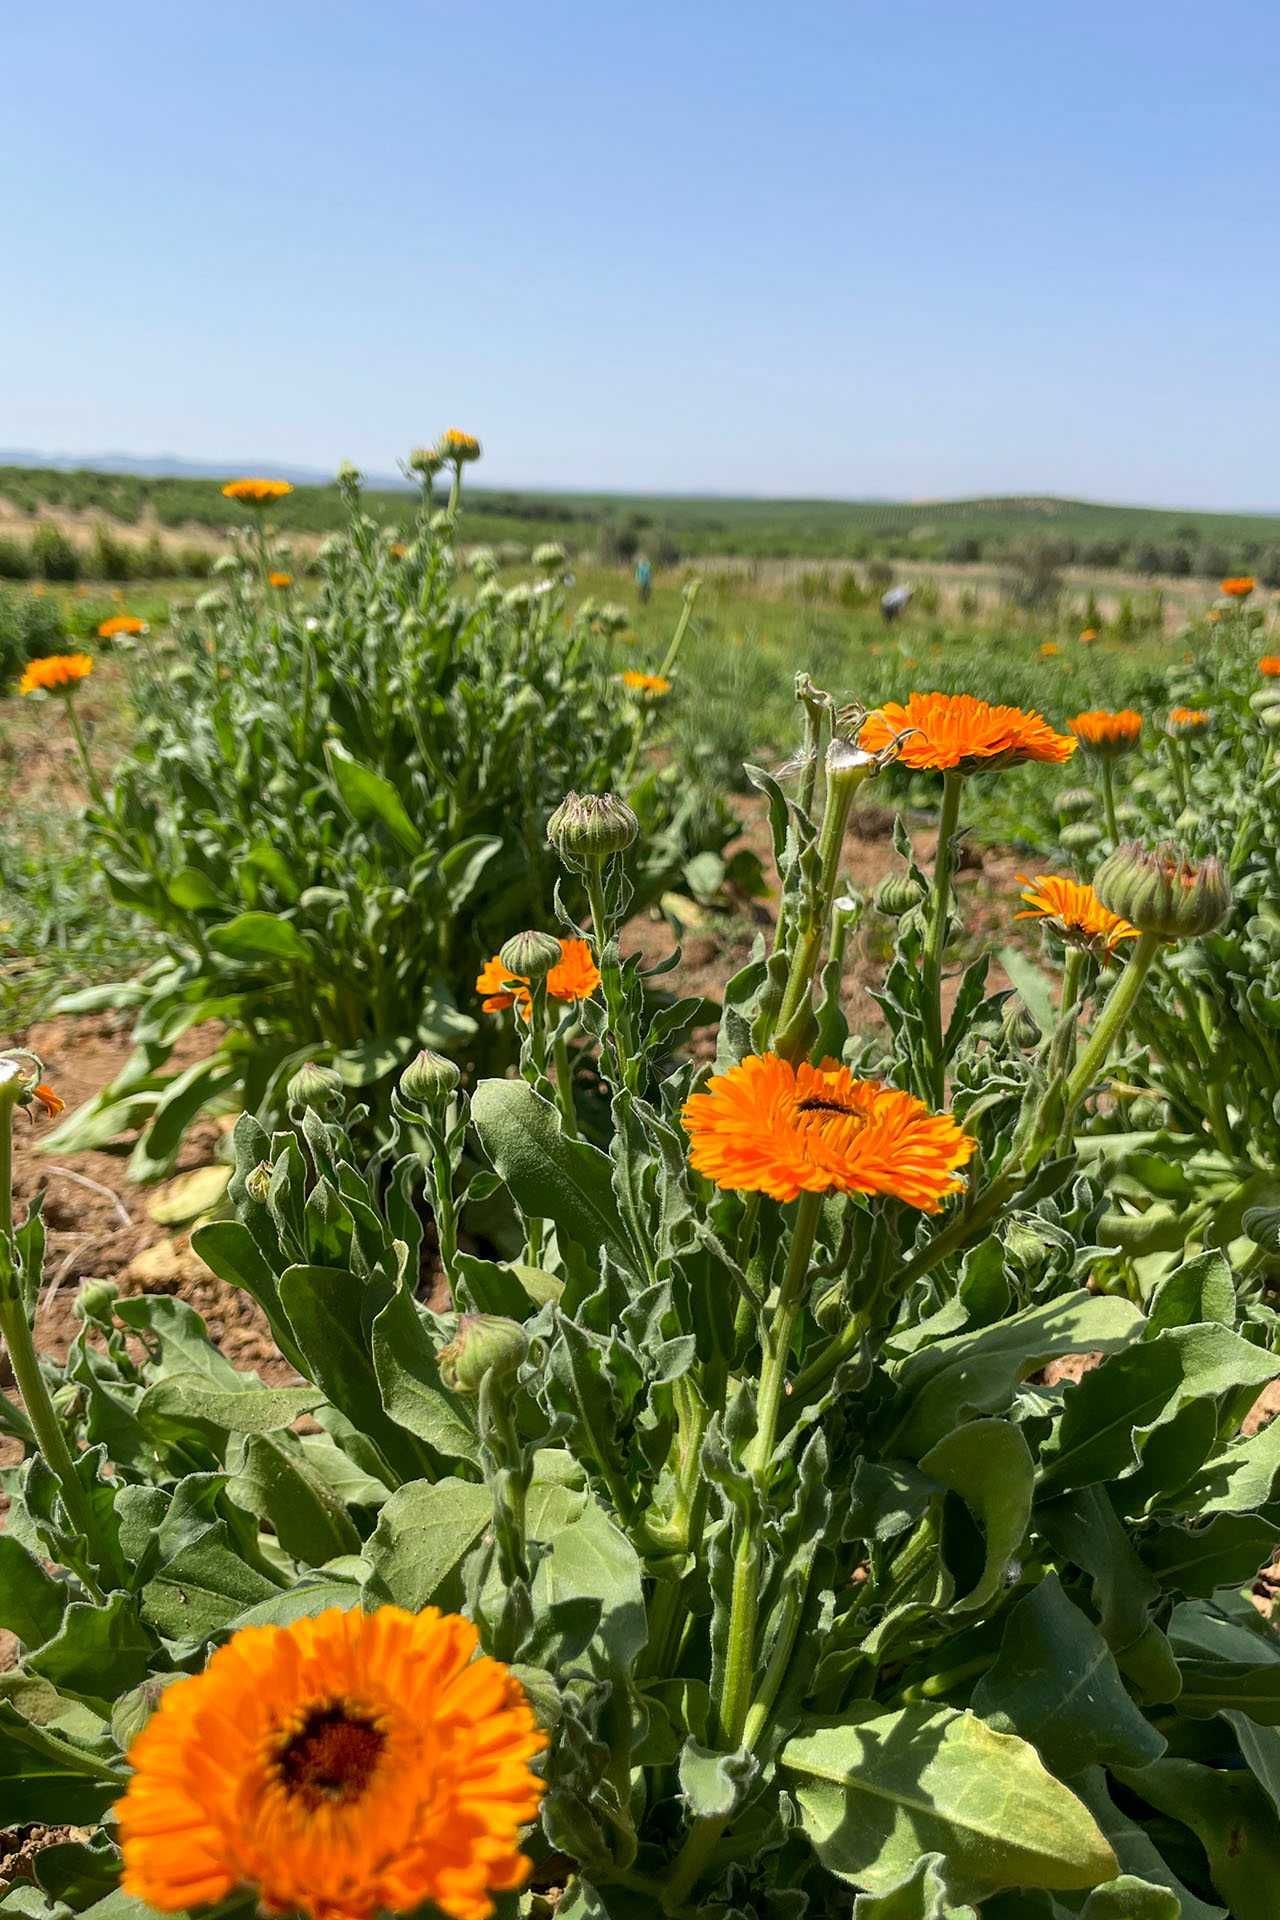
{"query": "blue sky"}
[(924, 248)]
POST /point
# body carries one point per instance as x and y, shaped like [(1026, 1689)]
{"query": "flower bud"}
[(425, 460), (1080, 837), (1270, 718), (518, 598), (95, 1301), (490, 594), (1265, 697), (1160, 891), (458, 446), (316, 1087), (348, 475), (485, 1343), (1147, 1113), (483, 563), (227, 563), (1076, 803), (550, 556), (209, 603), (530, 955), (591, 826), (1021, 1027), (897, 894), (257, 1182), (429, 1079)]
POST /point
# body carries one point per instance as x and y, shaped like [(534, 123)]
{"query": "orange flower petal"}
[(944, 730)]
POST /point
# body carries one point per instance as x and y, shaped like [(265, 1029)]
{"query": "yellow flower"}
[(57, 673), (280, 580), (256, 493), (458, 446), (652, 684), (1050, 649), (1074, 911), (344, 1766)]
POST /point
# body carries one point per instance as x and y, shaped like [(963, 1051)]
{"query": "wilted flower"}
[(1074, 911), (1163, 892), (56, 673), (767, 1126), (342, 1766), (256, 493), (1107, 734), (941, 731)]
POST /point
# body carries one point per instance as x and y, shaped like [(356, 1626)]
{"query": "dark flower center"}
[(820, 1110), (332, 1756)]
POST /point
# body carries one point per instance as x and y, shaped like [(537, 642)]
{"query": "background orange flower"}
[(1239, 586), (574, 977), (1074, 910), (946, 730), (1270, 665), (1104, 732), (121, 623), (651, 683), (56, 673), (256, 493), (768, 1127)]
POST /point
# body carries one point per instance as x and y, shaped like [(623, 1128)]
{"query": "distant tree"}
[(1177, 561), (1212, 562), (1147, 558), (964, 551), (54, 556), (1101, 553), (1034, 579), (1268, 566)]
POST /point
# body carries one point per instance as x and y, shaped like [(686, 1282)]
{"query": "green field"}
[(616, 526)]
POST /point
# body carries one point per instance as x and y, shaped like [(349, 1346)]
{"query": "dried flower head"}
[(342, 1766), (767, 1126), (946, 730)]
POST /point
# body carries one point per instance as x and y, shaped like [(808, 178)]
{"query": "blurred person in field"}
[(894, 602), (644, 580)]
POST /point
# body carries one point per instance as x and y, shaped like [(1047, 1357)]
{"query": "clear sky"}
[(915, 247)]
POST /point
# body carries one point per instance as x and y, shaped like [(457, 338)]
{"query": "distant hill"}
[(171, 466), (131, 491)]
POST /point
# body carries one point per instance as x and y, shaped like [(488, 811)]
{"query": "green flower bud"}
[(348, 475), (591, 826), (95, 1301), (227, 563), (1162, 892), (1147, 1113), (1128, 815), (898, 893), (1188, 823), (257, 1182), (209, 603), (1080, 836), (1265, 697), (550, 556), (483, 563), (425, 460), (1076, 803), (530, 955), (429, 1079), (316, 1087), (1024, 1245), (518, 598), (484, 1343), (1021, 1027), (1270, 718), (490, 594)]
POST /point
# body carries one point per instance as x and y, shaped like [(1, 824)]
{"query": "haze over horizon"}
[(852, 254)]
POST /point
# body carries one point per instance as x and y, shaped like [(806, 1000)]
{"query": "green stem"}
[(610, 972), (794, 1035), (1072, 975), (1115, 1014), (1109, 801), (940, 914), (564, 1086), (668, 666), (91, 778)]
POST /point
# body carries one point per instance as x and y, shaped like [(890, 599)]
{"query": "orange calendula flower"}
[(945, 730), (1270, 665), (1107, 733), (256, 493), (58, 673), (1088, 636), (397, 549), (280, 580), (1050, 649), (574, 977), (121, 624), (1189, 719), (766, 1126), (44, 1096), (652, 684), (344, 1765), (1074, 911), (1239, 586)]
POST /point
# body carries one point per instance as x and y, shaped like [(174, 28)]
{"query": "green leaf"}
[(1130, 1899), (550, 1178), (1033, 986), (589, 1558), (260, 936), (274, 1479), (978, 1372), (1240, 1479), (367, 796), (47, 1779), (98, 1651), (1198, 1560), (988, 1464), (1199, 1289), (302, 1602), (1056, 1683), (327, 1308), (404, 1360), (189, 1396), (921, 1896), (423, 1535), (875, 1795), (714, 1784), (230, 1251), (31, 1601), (182, 1100), (1134, 1847), (191, 890), (1234, 1821)]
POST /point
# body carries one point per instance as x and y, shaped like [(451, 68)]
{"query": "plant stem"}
[(91, 779), (943, 866), (1109, 801), (795, 1037), (668, 666), (1072, 975), (564, 1086), (610, 971), (1115, 1014)]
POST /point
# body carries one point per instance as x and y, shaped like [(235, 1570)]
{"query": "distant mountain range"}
[(171, 466)]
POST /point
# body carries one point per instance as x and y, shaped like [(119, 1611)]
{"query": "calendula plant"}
[(730, 1547), (337, 807)]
